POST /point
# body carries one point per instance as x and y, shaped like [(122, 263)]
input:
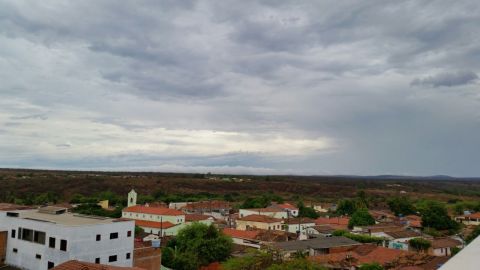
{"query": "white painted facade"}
[(302, 228), (154, 217), (132, 198), (268, 213), (466, 259), (81, 240)]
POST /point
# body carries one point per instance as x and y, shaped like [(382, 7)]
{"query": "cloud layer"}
[(309, 87)]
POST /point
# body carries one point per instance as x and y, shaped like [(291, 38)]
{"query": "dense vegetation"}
[(196, 245), (420, 244), (361, 217), (435, 215), (270, 260), (362, 238)]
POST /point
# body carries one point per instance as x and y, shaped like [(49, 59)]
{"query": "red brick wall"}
[(147, 258)]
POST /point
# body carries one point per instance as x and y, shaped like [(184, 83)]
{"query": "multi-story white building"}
[(42, 238)]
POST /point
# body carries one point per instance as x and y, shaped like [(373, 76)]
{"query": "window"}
[(97, 260), (112, 258), (51, 242), (15, 250), (129, 233), (38, 256), (63, 245), (13, 233), (27, 234), (114, 235), (50, 265), (99, 237), (39, 237), (128, 256)]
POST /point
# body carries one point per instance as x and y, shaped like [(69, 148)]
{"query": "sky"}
[(249, 87)]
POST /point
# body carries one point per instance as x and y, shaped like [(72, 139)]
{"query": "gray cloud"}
[(448, 79), (193, 85)]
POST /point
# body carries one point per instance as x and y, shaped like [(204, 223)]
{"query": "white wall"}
[(247, 212), (151, 217), (81, 243)]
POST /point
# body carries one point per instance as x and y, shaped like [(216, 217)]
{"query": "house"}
[(43, 238), (320, 230), (325, 207), (79, 265), (177, 205), (378, 230), (273, 212), (382, 215), (315, 246), (338, 223), (157, 220), (363, 254), (443, 246), (216, 209), (399, 239), (298, 226), (190, 218), (258, 222), (413, 221), (257, 238), (291, 210), (470, 219)]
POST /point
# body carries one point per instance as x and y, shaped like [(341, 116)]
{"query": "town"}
[(265, 232)]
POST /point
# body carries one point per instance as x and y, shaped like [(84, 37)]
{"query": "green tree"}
[(401, 206), (296, 264), (420, 244), (434, 215), (371, 266), (168, 256), (205, 243), (346, 207), (253, 260), (362, 238), (304, 211), (361, 217), (138, 230), (473, 234)]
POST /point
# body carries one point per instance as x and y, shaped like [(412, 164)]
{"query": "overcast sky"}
[(266, 87)]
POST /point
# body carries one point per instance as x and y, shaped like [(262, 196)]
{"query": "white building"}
[(269, 212), (156, 220), (44, 238), (299, 226)]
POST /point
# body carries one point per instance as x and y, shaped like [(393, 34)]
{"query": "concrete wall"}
[(247, 212), (242, 225), (81, 243), (152, 217)]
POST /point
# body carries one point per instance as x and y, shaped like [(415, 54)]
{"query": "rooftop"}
[(241, 234), (265, 210), (78, 265), (153, 210), (445, 242), (404, 234), (196, 217), (316, 243), (332, 221), (299, 221), (154, 224), (66, 219)]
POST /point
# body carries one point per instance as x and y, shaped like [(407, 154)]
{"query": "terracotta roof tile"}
[(78, 265), (299, 220), (153, 224), (332, 221), (153, 210), (196, 217), (445, 242), (241, 234), (287, 206)]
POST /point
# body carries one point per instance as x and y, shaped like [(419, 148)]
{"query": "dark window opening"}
[(15, 250), (51, 242), (39, 237), (99, 237), (63, 245), (114, 235), (129, 233), (13, 233), (128, 256), (50, 265), (112, 258), (38, 256), (97, 260)]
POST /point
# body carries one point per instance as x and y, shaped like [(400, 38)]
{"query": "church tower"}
[(132, 198)]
